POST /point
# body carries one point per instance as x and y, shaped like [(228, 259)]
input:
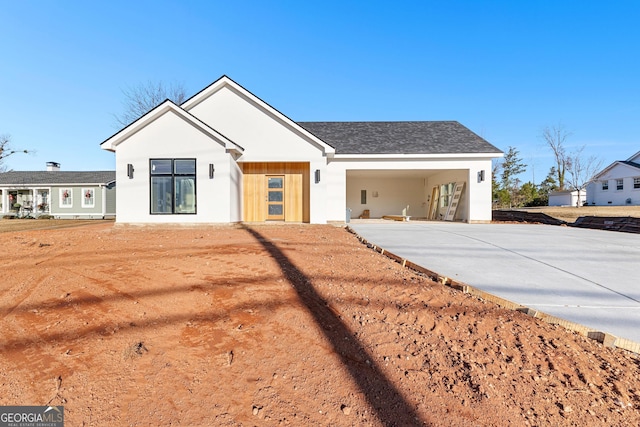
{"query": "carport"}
[(418, 193), (581, 275)]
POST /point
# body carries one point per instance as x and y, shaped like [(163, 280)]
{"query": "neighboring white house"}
[(225, 156), (60, 194), (618, 184), (567, 198)]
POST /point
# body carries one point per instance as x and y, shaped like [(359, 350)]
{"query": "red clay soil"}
[(279, 325)]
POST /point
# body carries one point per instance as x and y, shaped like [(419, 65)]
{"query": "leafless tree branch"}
[(581, 170), (6, 150), (555, 137), (139, 100)]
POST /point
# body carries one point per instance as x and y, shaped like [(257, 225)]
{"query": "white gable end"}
[(265, 135), (618, 170), (170, 136)]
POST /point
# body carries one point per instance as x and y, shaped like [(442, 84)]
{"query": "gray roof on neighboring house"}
[(56, 177), (633, 164), (436, 137)]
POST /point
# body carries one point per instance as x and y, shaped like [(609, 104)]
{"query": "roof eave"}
[(347, 156), (57, 184), (608, 168)]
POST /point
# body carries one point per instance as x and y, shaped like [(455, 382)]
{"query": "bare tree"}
[(140, 99), (6, 150), (581, 170), (555, 137)]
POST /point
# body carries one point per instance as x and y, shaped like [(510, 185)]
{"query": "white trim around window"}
[(88, 197), (636, 183), (66, 197)]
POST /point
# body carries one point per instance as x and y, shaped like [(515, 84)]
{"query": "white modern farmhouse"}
[(225, 156), (616, 185)]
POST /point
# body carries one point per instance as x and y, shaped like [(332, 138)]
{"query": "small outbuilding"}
[(567, 198)]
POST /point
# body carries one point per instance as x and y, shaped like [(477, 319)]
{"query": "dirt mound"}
[(279, 325)]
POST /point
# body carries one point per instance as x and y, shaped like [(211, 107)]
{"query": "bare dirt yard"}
[(279, 325)]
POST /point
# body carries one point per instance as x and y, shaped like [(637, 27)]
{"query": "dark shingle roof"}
[(442, 137), (56, 177), (633, 164)]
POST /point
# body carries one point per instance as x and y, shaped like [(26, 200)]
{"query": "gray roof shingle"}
[(435, 137), (56, 177), (633, 164)]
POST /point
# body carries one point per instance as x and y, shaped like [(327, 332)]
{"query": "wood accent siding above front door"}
[(295, 192)]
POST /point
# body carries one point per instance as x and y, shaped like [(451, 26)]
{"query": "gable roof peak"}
[(167, 106), (226, 82), (209, 90)]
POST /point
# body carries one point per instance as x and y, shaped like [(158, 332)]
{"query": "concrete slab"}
[(591, 277)]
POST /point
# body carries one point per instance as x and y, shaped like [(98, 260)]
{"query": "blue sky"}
[(504, 69)]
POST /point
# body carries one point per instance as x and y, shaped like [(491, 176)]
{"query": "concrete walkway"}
[(590, 277)]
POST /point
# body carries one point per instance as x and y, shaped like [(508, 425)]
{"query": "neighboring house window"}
[(636, 183), (88, 198), (66, 197), (605, 185), (173, 186), (619, 184)]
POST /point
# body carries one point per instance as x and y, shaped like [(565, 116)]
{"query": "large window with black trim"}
[(173, 186)]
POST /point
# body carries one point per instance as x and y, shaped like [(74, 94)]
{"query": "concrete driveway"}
[(590, 277)]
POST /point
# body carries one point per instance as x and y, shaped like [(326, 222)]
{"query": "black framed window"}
[(173, 186)]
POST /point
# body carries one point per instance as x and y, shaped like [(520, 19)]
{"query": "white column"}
[(104, 200)]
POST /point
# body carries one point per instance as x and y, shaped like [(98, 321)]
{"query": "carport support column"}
[(478, 194), (336, 191), (318, 192)]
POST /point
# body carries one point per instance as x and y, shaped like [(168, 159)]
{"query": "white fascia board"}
[(605, 170), (168, 106), (417, 156), (223, 81)]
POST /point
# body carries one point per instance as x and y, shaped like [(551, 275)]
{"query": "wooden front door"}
[(275, 197), (275, 191)]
